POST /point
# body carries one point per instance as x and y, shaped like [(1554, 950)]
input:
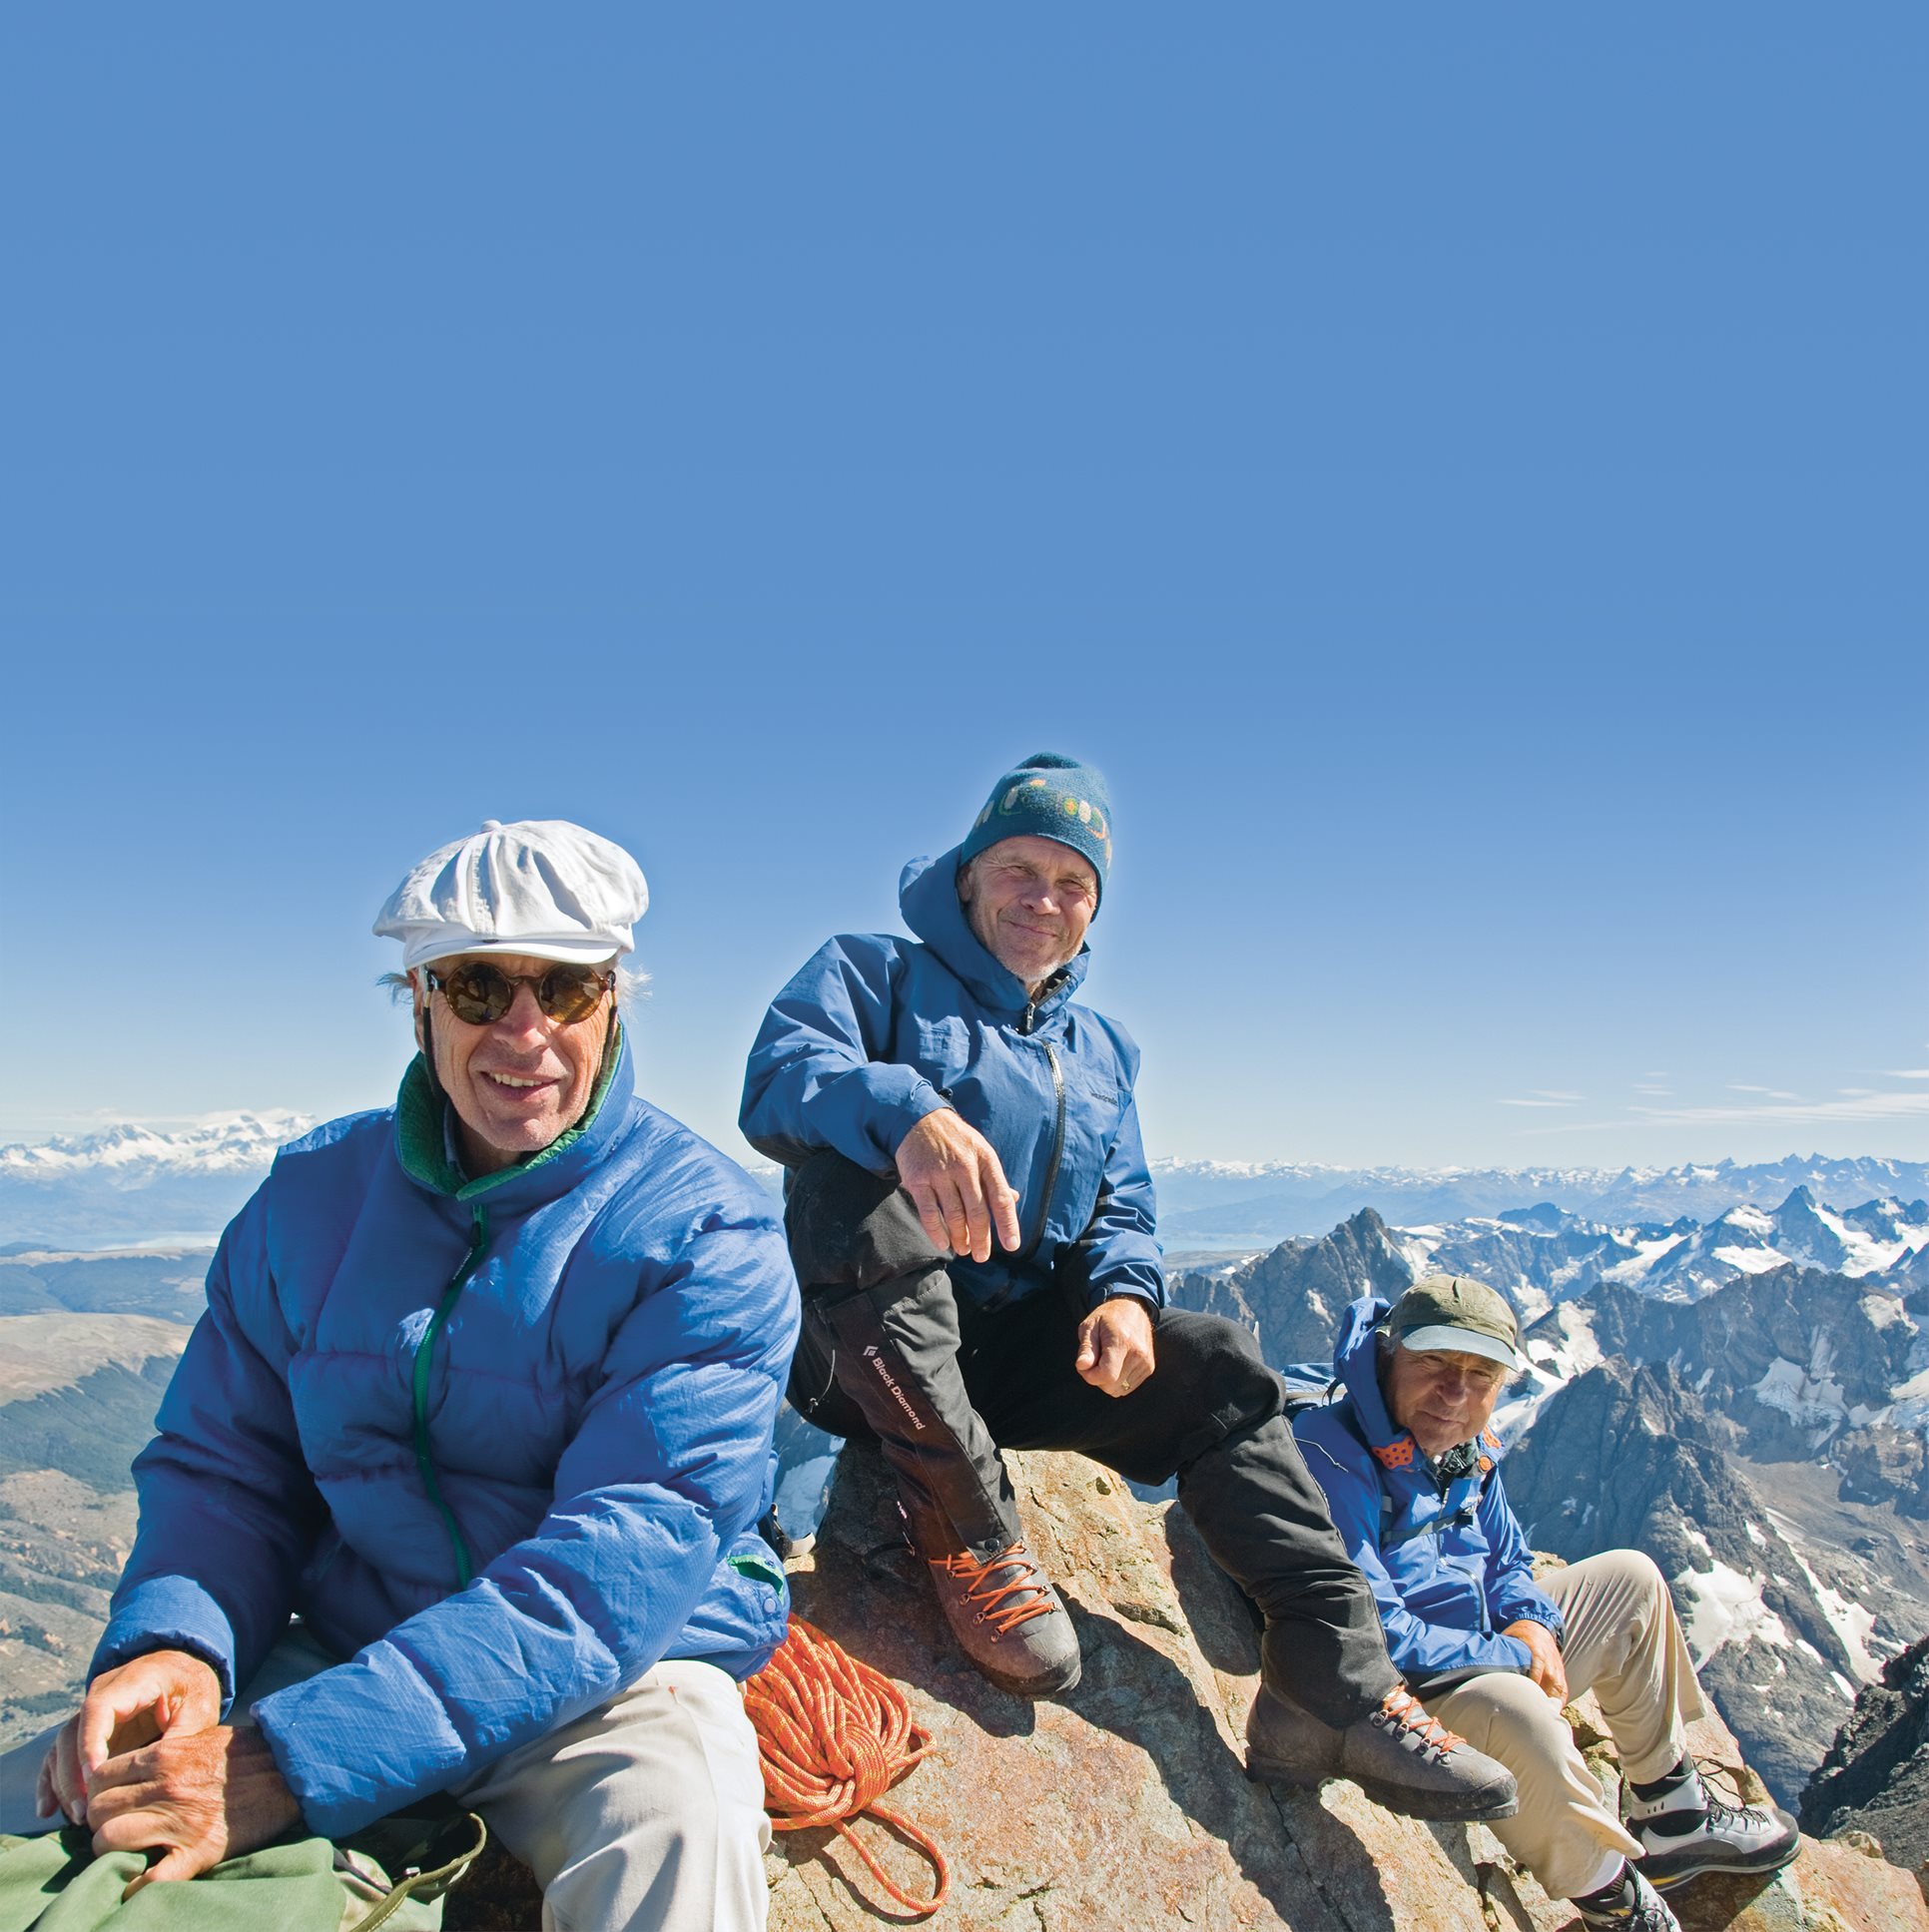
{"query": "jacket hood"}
[(928, 897), (1355, 1362), (421, 1148)]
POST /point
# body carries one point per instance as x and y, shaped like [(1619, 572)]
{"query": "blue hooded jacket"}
[(501, 1443), (1449, 1565), (875, 1031)]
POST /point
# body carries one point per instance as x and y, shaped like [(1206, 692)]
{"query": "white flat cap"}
[(541, 886)]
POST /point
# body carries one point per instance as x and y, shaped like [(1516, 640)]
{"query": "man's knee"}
[(1637, 1572), (1220, 1363), (647, 1811), (1510, 1717), (1623, 1585), (849, 1228)]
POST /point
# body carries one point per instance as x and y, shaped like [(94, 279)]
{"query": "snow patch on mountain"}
[(1416, 1247), (1808, 1398), (1726, 1606), (1646, 1256), (1848, 1620), (1750, 1261)]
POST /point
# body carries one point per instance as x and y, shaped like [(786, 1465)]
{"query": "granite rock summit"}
[(1126, 1804)]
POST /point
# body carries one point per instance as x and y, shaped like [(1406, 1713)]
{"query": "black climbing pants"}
[(889, 1350)]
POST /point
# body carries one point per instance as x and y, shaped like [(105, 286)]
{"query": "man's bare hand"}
[(952, 1175), (1115, 1345), (1544, 1658), (147, 1698), (197, 1798)]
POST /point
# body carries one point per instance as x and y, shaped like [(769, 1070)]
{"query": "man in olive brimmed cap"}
[(971, 1219), (1410, 1463), (484, 1394)]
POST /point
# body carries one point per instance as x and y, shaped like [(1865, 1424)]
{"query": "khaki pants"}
[(644, 1815), (1624, 1643)]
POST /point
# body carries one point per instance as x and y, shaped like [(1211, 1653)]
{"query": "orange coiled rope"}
[(833, 1735)]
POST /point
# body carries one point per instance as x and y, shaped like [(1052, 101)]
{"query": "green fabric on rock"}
[(55, 1884)]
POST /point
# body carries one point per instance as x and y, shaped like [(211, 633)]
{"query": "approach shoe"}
[(1708, 1835), (1631, 1906), (1009, 1621), (1398, 1755)]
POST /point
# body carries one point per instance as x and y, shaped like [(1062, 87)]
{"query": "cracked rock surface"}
[(1126, 1803)]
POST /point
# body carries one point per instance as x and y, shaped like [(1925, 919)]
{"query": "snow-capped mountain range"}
[(1542, 1254), (1235, 1204), (232, 1142), (1544, 1257), (130, 1184)]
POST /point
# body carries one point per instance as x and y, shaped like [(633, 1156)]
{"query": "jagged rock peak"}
[(1876, 1779)]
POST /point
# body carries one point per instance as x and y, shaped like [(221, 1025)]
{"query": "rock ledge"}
[(1126, 1804)]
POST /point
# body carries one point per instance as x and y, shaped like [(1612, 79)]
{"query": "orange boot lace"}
[(1404, 1711), (1027, 1586)]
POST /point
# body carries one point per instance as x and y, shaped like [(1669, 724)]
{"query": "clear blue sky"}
[(1460, 472)]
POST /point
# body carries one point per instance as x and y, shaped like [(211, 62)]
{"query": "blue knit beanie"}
[(1048, 797)]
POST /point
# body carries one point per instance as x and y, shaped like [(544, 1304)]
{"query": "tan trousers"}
[(644, 1815), (1625, 1643)]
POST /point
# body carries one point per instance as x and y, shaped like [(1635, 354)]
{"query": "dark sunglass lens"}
[(569, 993), (478, 995)]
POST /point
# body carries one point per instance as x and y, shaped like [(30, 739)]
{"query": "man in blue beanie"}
[(972, 1224)]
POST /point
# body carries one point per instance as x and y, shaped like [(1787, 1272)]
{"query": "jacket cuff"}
[(169, 1614), (1124, 1290), (361, 1740), (898, 1105), (1543, 1613)]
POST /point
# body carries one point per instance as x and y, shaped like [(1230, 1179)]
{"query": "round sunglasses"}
[(481, 994)]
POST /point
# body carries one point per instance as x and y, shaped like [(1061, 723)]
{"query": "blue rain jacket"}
[(875, 1031), (1449, 1565), (501, 1443)]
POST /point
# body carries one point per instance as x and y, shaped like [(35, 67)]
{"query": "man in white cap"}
[(1410, 1465), (484, 1394)]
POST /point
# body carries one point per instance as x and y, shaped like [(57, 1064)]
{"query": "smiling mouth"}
[(515, 1082)]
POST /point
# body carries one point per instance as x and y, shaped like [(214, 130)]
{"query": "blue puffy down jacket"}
[(1449, 1565), (874, 1033), (500, 1443)]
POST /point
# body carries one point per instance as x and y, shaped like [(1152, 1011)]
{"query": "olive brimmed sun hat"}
[(1454, 1312)]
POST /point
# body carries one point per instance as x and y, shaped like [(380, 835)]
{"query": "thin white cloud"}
[(1847, 1107), (1907, 1073), (1656, 1092), (1766, 1092), (1543, 1100)]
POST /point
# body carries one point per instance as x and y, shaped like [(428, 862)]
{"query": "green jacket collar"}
[(421, 1139)]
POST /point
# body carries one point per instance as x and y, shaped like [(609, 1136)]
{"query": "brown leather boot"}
[(1009, 1621)]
